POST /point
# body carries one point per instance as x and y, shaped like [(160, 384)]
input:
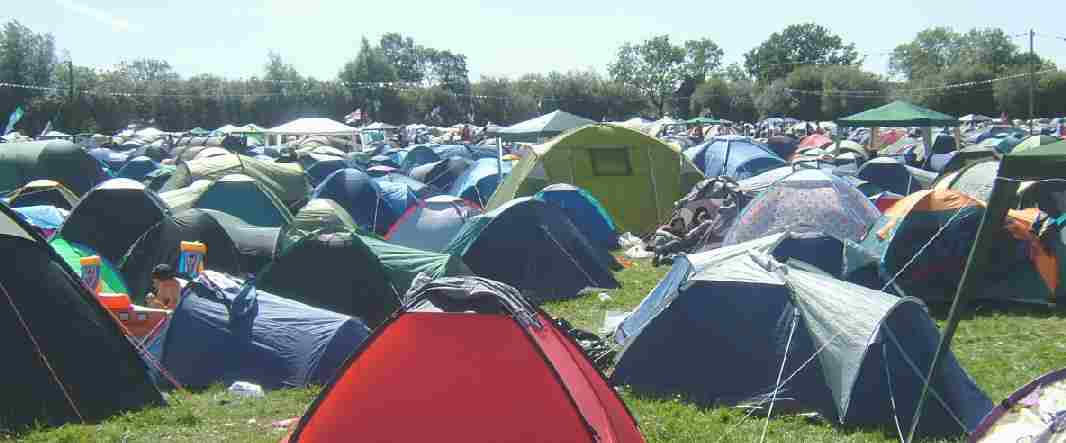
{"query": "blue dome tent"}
[(734, 156)]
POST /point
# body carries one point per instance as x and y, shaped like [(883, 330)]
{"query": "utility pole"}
[(1032, 80), (70, 66)]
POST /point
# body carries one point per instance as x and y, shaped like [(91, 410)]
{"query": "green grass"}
[(1002, 348)]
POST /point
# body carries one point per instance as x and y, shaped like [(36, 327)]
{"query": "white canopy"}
[(551, 123), (380, 125), (245, 129), (313, 126), (974, 117)]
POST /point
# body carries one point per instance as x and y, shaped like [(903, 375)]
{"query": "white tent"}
[(975, 118), (547, 125), (313, 126)]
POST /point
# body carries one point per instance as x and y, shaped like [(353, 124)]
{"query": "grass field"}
[(1001, 348)]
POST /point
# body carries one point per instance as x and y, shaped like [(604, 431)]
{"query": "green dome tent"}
[(285, 180), (236, 194), (637, 178), (59, 160)]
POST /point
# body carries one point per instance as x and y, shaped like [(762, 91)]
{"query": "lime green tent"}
[(72, 253), (287, 181), (637, 178)]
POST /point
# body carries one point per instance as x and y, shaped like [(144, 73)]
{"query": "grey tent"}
[(59, 160), (543, 127), (730, 325), (317, 214)]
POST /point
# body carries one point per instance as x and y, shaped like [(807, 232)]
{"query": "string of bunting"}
[(877, 92)]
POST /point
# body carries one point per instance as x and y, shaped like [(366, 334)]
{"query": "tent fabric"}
[(898, 114), (815, 141), (335, 271), (45, 311), (111, 217), (636, 177), (976, 180), (733, 156), (479, 181), (245, 198), (233, 247), (285, 180), (547, 125), (111, 280), (442, 174), (403, 264), (318, 171), (374, 207), (1021, 416), (586, 213), (782, 145), (891, 175), (420, 190), (533, 246), (947, 221), (46, 218), (417, 156), (313, 126), (317, 214), (808, 200), (487, 347), (59, 160), (431, 224), (1035, 141), (226, 330), (43, 192), (137, 168), (852, 352)]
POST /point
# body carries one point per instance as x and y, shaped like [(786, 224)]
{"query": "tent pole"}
[(499, 158), (1003, 195)]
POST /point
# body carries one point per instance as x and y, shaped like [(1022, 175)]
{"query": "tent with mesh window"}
[(637, 178), (790, 335)]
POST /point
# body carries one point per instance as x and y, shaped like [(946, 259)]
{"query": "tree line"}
[(804, 71)]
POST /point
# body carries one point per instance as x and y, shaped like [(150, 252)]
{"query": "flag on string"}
[(14, 118)]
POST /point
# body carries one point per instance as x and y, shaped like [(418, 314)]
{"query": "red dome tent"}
[(469, 359)]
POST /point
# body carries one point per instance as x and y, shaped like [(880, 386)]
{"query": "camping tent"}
[(374, 207), (458, 356), (431, 224), (66, 360), (733, 156), (442, 174), (586, 213), (532, 245), (138, 168), (111, 280), (636, 177), (479, 181), (782, 145), (543, 127), (891, 175), (111, 217), (43, 192), (240, 196), (417, 156), (233, 246), (805, 201), (62, 161), (794, 336), (317, 214), (47, 219), (225, 330), (285, 180), (335, 271), (921, 245)]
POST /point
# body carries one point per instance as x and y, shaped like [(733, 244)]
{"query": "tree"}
[(931, 51), (26, 58), (407, 59), (795, 46), (367, 77), (849, 78), (774, 100), (657, 68)]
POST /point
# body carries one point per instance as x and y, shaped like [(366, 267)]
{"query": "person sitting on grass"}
[(167, 289)]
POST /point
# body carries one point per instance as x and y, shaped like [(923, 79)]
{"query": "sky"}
[(500, 38)]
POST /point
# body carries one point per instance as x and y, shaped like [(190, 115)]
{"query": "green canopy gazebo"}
[(544, 127), (900, 114)]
